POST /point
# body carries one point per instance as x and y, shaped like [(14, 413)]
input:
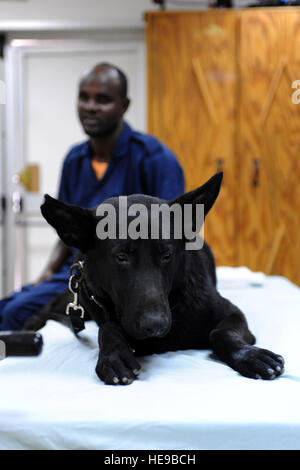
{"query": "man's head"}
[(102, 100)]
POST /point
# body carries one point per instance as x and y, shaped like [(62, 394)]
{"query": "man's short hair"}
[(122, 78)]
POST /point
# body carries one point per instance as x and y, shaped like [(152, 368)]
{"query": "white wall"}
[(101, 11), (35, 14)]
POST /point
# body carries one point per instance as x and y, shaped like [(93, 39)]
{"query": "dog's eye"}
[(122, 258), (166, 256)]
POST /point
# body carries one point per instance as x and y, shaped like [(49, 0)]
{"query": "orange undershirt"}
[(99, 168)]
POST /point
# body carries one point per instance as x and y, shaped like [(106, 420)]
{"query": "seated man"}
[(115, 160)]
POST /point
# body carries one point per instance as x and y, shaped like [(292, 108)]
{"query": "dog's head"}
[(133, 249)]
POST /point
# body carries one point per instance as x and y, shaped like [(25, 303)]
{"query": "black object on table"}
[(20, 343)]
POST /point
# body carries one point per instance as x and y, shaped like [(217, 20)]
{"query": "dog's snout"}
[(154, 325)]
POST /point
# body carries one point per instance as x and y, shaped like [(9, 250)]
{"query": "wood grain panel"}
[(269, 133), (192, 79), (220, 96), (287, 156)]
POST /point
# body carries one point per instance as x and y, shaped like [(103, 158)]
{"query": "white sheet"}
[(182, 400)]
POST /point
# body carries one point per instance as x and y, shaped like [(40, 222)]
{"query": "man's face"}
[(100, 105)]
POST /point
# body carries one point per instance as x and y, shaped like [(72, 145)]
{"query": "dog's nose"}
[(154, 324)]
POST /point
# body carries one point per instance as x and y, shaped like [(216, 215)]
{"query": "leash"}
[(74, 309)]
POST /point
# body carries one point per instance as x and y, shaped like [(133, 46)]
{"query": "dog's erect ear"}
[(206, 194), (75, 225)]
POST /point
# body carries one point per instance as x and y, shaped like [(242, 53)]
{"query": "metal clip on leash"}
[(73, 308)]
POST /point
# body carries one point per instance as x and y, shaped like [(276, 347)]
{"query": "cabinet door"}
[(192, 107), (269, 142)]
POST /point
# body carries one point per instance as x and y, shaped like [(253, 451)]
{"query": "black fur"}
[(156, 295)]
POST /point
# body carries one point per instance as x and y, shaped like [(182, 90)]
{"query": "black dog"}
[(153, 295)]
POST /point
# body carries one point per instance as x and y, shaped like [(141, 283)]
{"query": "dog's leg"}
[(36, 322), (52, 310), (232, 342), (117, 363)]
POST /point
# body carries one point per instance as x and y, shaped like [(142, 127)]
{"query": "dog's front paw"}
[(118, 367), (258, 363)]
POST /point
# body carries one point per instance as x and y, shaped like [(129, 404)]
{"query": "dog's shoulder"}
[(200, 270), (208, 261)]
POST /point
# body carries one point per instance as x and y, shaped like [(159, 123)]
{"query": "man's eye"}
[(103, 99), (83, 97)]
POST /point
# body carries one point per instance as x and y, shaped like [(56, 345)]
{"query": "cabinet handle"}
[(255, 181)]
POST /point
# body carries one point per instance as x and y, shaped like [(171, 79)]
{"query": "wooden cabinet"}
[(269, 231), (220, 95)]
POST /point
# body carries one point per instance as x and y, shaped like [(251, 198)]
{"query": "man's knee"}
[(14, 314)]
